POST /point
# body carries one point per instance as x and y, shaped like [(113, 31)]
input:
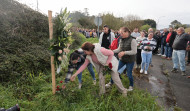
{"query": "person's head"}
[(88, 48), (150, 30), (165, 30), (106, 29), (180, 30), (150, 35), (74, 57), (170, 29), (142, 34), (136, 30), (125, 32)]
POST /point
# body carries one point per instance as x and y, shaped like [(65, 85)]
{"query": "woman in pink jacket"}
[(100, 57)]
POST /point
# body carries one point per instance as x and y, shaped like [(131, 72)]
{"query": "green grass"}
[(73, 99), (34, 93), (92, 40)]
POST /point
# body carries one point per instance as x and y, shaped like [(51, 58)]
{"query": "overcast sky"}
[(162, 11)]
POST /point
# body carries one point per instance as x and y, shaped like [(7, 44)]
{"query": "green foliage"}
[(112, 21), (145, 27), (72, 98), (150, 22), (61, 35), (87, 22), (187, 30), (78, 39), (23, 41), (176, 24)]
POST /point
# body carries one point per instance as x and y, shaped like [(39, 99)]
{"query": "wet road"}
[(172, 89)]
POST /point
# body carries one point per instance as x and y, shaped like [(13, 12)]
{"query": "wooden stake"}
[(52, 57)]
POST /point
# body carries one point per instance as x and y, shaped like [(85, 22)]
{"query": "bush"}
[(78, 40), (23, 41)]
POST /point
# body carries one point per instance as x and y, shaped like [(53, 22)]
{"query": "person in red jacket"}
[(169, 42)]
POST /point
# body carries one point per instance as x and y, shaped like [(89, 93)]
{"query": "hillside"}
[(23, 41)]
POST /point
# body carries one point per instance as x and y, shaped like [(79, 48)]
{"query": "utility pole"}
[(37, 5)]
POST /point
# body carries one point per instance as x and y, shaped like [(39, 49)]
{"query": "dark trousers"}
[(188, 57), (138, 57)]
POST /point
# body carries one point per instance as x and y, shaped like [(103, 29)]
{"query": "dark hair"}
[(106, 26), (88, 46), (74, 55), (125, 29)]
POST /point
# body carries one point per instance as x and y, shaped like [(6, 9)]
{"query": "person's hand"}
[(121, 54), (66, 50), (188, 48), (73, 77), (148, 48)]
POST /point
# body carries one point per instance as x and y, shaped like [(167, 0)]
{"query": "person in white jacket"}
[(106, 37)]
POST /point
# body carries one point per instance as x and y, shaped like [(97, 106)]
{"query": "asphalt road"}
[(172, 89)]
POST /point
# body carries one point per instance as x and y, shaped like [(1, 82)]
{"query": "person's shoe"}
[(80, 85), (141, 71), (130, 88), (159, 54), (183, 73), (108, 85), (145, 72), (124, 94), (174, 70), (188, 63), (151, 65), (163, 55), (94, 82)]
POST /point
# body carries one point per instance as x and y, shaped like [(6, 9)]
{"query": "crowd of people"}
[(88, 33), (124, 49)]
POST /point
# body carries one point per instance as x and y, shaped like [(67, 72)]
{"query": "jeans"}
[(168, 50), (90, 69), (162, 49), (129, 67), (146, 58), (179, 58)]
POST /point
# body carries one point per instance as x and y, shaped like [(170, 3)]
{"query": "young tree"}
[(150, 22), (133, 21)]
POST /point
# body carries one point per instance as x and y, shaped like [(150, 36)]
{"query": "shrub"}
[(78, 40), (23, 41)]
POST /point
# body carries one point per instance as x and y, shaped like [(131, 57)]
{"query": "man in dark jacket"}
[(169, 42), (106, 37), (179, 50), (163, 41)]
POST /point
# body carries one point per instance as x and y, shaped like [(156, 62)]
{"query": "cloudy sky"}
[(162, 11)]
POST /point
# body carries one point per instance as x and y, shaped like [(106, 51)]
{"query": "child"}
[(77, 59)]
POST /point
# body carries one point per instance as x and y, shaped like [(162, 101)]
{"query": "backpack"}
[(114, 44)]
